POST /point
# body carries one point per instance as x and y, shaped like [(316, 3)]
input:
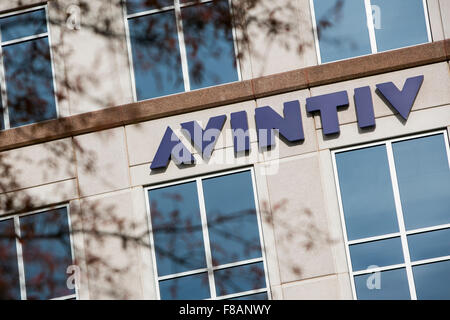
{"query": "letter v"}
[(205, 140), (403, 100)]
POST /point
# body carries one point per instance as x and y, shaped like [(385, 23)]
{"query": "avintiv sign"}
[(289, 126)]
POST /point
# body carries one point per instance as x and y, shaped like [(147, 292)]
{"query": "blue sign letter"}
[(364, 107), (290, 127), (171, 146), (402, 101), (327, 105), (205, 140), (239, 125)]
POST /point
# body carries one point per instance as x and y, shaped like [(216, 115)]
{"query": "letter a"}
[(171, 148)]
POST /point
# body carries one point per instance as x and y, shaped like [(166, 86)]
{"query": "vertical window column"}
[(26, 73), (206, 239), (178, 45), (351, 28), (35, 251), (395, 199)]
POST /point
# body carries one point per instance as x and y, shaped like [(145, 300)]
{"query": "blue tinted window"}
[(258, 296), (393, 286), (432, 281), (423, 175), (232, 221), (193, 287), (209, 45), (240, 279), (135, 6), (429, 244), (342, 29), (23, 25), (402, 23), (177, 229), (47, 253), (233, 236), (380, 253), (156, 55), (29, 80), (9, 271), (366, 192)]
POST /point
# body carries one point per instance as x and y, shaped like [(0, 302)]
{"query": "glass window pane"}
[(240, 279), (429, 244), (156, 55), (401, 23), (432, 281), (195, 287), (209, 44), (9, 271), (134, 6), (232, 221), (258, 296), (177, 229), (23, 25), (342, 29), (366, 192), (29, 79), (393, 285), (380, 253), (423, 175), (47, 253)]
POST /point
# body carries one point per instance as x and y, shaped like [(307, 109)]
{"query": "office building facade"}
[(225, 149)]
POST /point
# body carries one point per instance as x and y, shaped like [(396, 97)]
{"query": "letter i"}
[(239, 126), (364, 107)]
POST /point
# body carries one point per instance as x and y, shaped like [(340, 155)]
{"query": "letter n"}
[(290, 127)]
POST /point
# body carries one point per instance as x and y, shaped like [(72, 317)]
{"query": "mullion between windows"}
[(72, 248), (371, 26), (28, 10), (214, 268), (25, 39), (235, 40), (427, 20), (55, 88), (21, 266), (5, 113), (207, 244), (400, 219), (182, 45), (379, 269), (243, 294)]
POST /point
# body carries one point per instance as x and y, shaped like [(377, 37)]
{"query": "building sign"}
[(289, 125)]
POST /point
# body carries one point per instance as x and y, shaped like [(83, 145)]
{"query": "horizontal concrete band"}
[(226, 94)]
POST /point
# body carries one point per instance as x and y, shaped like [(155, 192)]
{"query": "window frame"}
[(371, 30), (21, 266), (181, 43), (402, 234), (210, 269), (3, 84)]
